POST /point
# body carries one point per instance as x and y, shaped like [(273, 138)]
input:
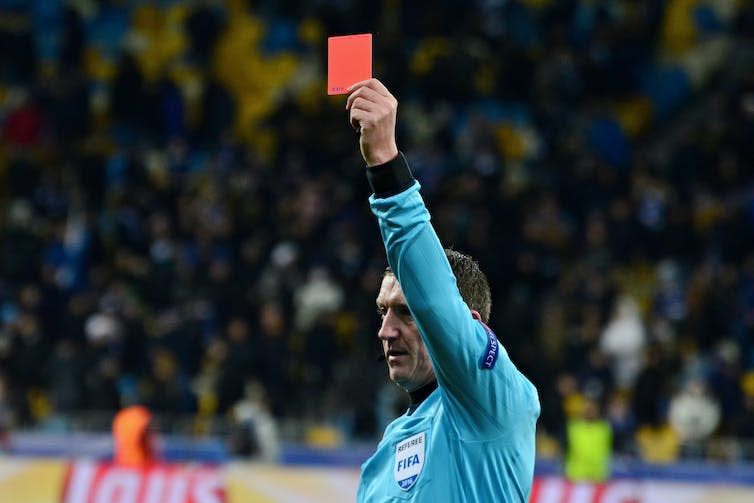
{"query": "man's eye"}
[(404, 312), (381, 311)]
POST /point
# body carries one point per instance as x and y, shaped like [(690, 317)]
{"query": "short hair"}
[(471, 281)]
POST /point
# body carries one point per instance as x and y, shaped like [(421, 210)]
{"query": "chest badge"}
[(409, 461)]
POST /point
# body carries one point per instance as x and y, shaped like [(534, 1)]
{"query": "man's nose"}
[(389, 328)]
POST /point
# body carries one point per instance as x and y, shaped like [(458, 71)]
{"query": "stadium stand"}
[(184, 222)]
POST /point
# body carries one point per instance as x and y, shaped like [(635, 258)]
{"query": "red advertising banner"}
[(558, 490), (92, 482), (27, 480)]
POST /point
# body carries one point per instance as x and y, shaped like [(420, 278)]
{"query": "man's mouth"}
[(394, 354)]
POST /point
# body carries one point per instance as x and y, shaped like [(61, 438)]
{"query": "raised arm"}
[(478, 380)]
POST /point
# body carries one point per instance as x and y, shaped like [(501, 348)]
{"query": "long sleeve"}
[(483, 390)]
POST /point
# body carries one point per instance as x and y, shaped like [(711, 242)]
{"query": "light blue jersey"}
[(472, 439)]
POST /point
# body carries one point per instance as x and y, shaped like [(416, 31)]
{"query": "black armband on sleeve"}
[(390, 178)]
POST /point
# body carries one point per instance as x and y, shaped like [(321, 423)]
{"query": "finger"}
[(367, 105), (361, 92), (364, 93), (357, 86), (380, 88), (362, 116), (372, 84), (356, 116), (369, 111), (370, 114)]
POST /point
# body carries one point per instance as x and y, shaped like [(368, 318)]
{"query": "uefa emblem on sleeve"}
[(409, 461)]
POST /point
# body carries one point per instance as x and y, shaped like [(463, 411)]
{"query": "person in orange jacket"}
[(132, 435)]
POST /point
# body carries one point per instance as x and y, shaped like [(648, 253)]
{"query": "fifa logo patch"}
[(409, 461)]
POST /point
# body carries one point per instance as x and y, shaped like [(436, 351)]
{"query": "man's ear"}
[(475, 314)]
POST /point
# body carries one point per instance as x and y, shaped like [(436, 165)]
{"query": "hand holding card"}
[(372, 112), (349, 60)]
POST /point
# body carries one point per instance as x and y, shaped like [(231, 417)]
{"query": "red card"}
[(349, 60)]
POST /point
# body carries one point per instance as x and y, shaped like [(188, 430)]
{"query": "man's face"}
[(407, 359)]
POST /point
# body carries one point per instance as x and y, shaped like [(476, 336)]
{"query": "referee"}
[(468, 434)]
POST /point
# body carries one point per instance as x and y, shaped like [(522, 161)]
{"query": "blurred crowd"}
[(185, 226)]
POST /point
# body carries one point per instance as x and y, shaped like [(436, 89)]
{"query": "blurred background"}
[(184, 225)]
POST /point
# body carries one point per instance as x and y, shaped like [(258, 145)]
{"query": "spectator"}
[(589, 445), (240, 361), (192, 176), (254, 431), (7, 414), (743, 423), (623, 341), (319, 295), (658, 443), (695, 416), (134, 444), (651, 388)]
